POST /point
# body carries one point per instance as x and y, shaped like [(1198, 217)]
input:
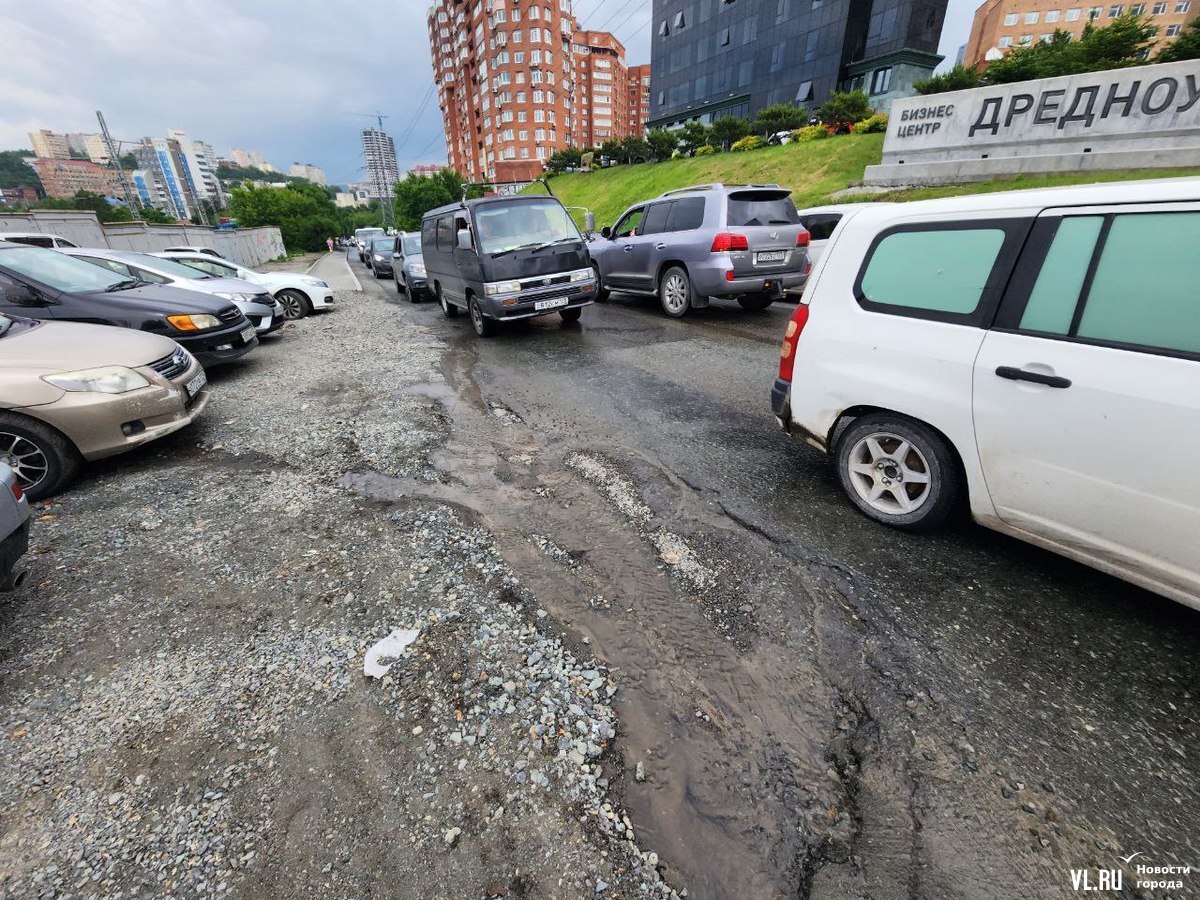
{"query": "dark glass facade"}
[(732, 57)]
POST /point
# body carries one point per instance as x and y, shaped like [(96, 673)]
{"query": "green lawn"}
[(813, 171)]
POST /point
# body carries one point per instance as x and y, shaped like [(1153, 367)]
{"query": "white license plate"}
[(193, 386), (771, 256), (551, 304), (247, 333)]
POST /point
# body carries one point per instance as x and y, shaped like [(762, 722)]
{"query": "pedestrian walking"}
[(329, 244)]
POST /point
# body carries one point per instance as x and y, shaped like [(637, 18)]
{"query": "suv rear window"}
[(749, 208)]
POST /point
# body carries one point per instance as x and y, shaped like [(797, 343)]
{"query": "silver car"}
[(408, 266), (686, 246), (255, 302), (14, 525)]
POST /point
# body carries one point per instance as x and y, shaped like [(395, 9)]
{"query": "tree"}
[(303, 211), (845, 107), (662, 143), (562, 160), (692, 136), (611, 149), (1186, 46), (15, 171), (417, 194), (779, 117), (153, 216), (635, 149), (957, 79), (726, 130), (89, 201), (1124, 42)]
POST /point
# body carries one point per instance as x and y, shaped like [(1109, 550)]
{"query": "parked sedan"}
[(257, 305), (379, 256), (207, 251), (72, 392), (297, 293), (14, 527), (408, 266), (48, 284)]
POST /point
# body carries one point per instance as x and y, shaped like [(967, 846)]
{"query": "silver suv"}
[(686, 246)]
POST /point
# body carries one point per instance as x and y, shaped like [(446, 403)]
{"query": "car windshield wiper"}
[(508, 250), (556, 241), (125, 285)]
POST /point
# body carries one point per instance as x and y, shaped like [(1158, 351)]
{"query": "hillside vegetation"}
[(813, 171)]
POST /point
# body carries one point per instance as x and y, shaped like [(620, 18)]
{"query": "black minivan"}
[(507, 257)]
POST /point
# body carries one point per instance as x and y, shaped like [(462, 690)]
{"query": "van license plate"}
[(551, 304), (247, 333), (193, 386), (768, 256)]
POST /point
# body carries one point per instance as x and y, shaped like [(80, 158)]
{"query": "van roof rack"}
[(468, 185), (716, 185)]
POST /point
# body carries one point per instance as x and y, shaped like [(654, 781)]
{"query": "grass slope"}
[(813, 171)]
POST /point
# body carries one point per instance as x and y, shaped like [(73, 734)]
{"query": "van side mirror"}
[(606, 231), (464, 239), (589, 222)]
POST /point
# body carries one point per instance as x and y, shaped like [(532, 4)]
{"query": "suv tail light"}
[(726, 241), (791, 337), (17, 492), (803, 237)]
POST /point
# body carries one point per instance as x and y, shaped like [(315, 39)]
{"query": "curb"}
[(316, 261)]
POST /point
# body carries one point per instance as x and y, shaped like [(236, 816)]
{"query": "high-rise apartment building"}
[(64, 178), (315, 174), (379, 159), (49, 145), (200, 168), (170, 176), (712, 59), (1000, 25), (517, 80), (638, 93), (249, 159)]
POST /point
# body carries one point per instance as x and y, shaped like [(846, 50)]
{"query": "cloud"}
[(288, 78)]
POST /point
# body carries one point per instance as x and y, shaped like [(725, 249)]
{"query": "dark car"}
[(744, 242), (379, 256), (46, 284), (408, 266), (507, 257)]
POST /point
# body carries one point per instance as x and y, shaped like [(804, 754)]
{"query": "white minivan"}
[(1034, 353)]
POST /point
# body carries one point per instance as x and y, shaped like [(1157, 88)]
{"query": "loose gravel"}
[(183, 708)]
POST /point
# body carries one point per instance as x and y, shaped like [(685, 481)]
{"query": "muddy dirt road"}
[(821, 706)]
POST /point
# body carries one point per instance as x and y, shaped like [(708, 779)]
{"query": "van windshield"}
[(502, 227)]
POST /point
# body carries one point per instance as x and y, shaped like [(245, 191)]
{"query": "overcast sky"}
[(287, 78)]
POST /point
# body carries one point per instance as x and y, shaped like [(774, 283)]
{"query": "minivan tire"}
[(601, 291), (898, 471), (484, 326), (675, 292), (571, 315), (449, 310), (59, 459), (755, 302)]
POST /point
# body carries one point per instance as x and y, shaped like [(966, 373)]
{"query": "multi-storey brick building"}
[(1000, 25), (638, 92), (516, 81), (64, 178)]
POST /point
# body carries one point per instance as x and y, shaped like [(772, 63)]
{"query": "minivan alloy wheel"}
[(889, 473)]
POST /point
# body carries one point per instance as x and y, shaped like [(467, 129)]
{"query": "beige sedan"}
[(71, 392)]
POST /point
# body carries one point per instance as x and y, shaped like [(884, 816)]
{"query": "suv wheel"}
[(449, 310), (43, 460), (898, 471), (755, 302), (601, 290), (675, 292), (484, 326)]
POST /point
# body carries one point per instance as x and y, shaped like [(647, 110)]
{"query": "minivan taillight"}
[(791, 337), (726, 241), (802, 238)]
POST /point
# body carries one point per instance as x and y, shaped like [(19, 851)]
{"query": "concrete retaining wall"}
[(1141, 118), (248, 246)]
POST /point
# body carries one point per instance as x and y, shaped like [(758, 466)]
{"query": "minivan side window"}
[(445, 233), (655, 220), (686, 214), (939, 271), (428, 233)]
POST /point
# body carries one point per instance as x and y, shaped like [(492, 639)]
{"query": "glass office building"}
[(711, 58)]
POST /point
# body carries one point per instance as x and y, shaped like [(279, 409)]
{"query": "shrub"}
[(877, 124), (706, 150), (749, 142), (845, 106), (810, 133)]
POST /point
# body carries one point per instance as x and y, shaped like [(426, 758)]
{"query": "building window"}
[(1052, 16), (725, 38), (1005, 42), (1183, 6), (1159, 8), (1137, 9), (663, 30), (539, 115), (516, 35), (662, 98), (516, 15), (521, 115), (1072, 15), (1012, 19), (679, 22), (1046, 38), (523, 135), (1026, 40), (1174, 30), (881, 80), (1114, 11), (1031, 18), (1095, 12), (804, 92)]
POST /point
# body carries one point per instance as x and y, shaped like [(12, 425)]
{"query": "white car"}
[(820, 222), (36, 239), (1035, 354), (297, 293), (256, 304)]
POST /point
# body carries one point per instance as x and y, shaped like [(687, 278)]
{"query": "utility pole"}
[(114, 160)]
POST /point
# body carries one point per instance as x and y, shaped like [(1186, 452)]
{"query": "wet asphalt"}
[(998, 715)]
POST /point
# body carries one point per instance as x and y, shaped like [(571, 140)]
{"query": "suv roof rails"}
[(714, 186), (468, 185)]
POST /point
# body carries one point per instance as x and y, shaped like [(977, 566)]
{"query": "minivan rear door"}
[(1086, 397), (768, 219)]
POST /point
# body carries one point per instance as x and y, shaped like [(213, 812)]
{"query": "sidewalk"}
[(333, 269)]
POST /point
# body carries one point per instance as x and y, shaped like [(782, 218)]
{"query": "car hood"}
[(163, 299), (66, 346), (276, 280), (528, 263), (220, 286)]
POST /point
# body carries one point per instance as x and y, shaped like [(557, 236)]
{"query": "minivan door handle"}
[(1012, 373)]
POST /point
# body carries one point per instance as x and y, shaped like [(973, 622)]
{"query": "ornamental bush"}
[(810, 133), (749, 142), (706, 150), (876, 124)]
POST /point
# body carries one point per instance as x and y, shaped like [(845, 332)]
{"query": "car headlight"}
[(378, 258), (236, 297), (104, 380), (193, 323), (581, 274), (418, 268), (502, 287), (315, 282)]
